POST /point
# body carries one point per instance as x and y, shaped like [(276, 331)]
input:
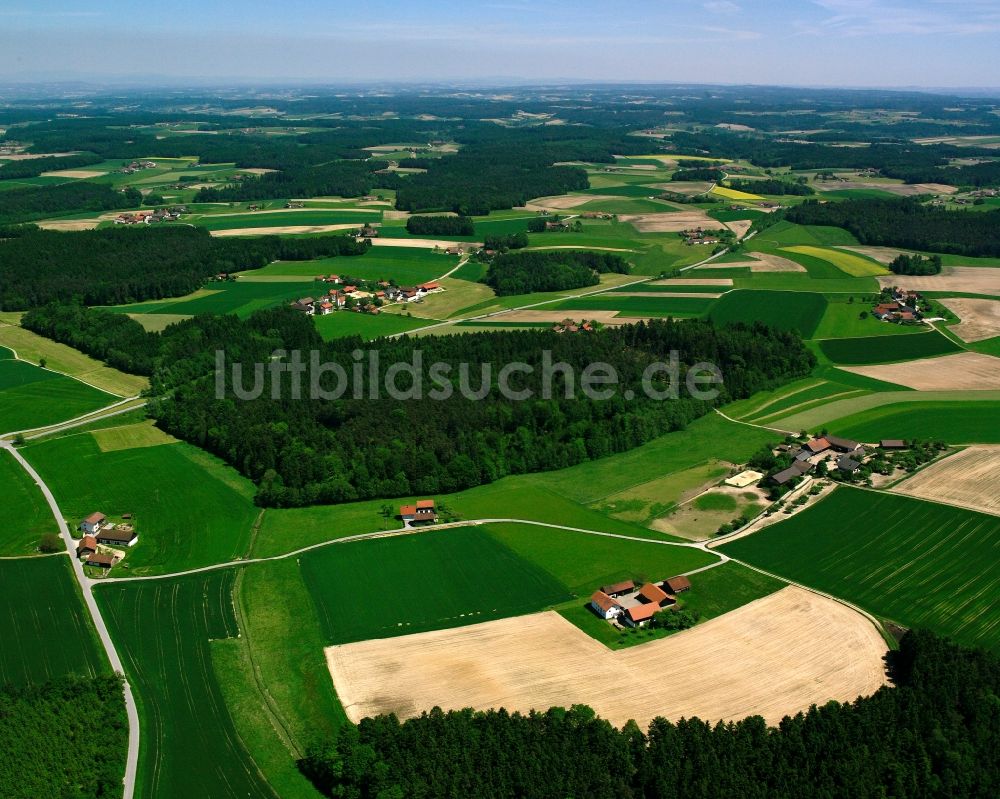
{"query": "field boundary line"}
[(751, 424)]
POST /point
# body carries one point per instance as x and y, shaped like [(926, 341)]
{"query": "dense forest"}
[(932, 735), (770, 186), (907, 223), (65, 739), (986, 173), (500, 242), (710, 174), (37, 202), (33, 167), (554, 270), (321, 451), (904, 264), (440, 226), (111, 266)]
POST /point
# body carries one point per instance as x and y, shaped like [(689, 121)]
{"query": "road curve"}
[(86, 585)]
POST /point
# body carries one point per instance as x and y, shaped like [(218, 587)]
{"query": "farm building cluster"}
[(899, 306), (361, 296), (151, 217), (572, 326), (625, 604), (699, 236), (102, 541), (136, 166)]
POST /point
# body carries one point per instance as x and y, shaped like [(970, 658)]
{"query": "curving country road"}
[(86, 586)]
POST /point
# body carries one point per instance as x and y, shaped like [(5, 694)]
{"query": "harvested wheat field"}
[(604, 317), (963, 279), (968, 478), (287, 229), (899, 189), (80, 174), (690, 188), (884, 255), (564, 202), (772, 657), (740, 227), (671, 222), (69, 224), (427, 244), (766, 262), (980, 318), (962, 371), (697, 281)]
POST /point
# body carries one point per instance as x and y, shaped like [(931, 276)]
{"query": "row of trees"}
[(933, 734), (916, 264), (65, 739), (33, 167), (37, 202), (528, 272), (111, 266), (907, 223), (440, 226), (771, 186), (506, 241), (711, 174)]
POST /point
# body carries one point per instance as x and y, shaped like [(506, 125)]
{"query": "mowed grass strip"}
[(27, 513), (162, 630), (45, 628), (785, 310), (886, 349), (34, 397), (189, 508), (957, 422), (854, 265), (426, 581), (917, 563)]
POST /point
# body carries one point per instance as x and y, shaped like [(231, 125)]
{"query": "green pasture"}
[(886, 349), (34, 397), (405, 265), (444, 578), (29, 514), (917, 563), (164, 631), (957, 422), (850, 263), (45, 627), (346, 323), (800, 311), (305, 217), (189, 508), (240, 297), (843, 320)]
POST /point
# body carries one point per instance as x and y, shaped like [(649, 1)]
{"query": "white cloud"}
[(877, 17)]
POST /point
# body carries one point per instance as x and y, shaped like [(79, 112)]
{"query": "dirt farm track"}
[(794, 648)]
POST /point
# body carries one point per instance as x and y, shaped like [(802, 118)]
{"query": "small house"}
[(617, 589), (640, 615), (93, 523), (425, 510), (847, 464), (118, 536), (677, 585), (892, 443), (87, 546), (652, 594), (604, 605), (102, 560)]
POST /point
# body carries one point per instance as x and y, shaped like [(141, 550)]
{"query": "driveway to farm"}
[(86, 586)]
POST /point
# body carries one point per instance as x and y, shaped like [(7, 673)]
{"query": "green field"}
[(304, 217), (340, 324), (162, 630), (241, 297), (799, 311), (24, 503), (46, 631), (34, 397), (432, 580), (883, 349), (639, 306), (916, 563), (190, 509), (850, 263), (405, 265), (955, 422), (843, 320)]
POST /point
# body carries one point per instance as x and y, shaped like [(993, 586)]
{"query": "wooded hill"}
[(556, 270), (932, 735), (303, 451), (117, 265), (907, 223)]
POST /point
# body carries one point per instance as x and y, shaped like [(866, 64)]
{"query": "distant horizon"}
[(937, 45)]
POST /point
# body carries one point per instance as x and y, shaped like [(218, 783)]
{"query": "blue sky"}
[(804, 42)]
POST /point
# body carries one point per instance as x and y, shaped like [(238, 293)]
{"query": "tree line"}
[(916, 264), (907, 223), (933, 733), (440, 226), (33, 167), (770, 186), (65, 739), (117, 265), (556, 270), (336, 179), (37, 202)]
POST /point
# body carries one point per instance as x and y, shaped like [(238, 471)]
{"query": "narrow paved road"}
[(86, 586)]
